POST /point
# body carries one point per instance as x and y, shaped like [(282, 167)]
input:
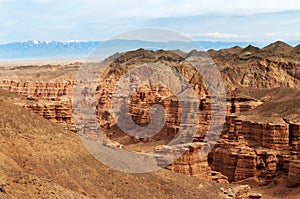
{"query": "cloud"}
[(271, 34), (165, 8), (171, 8), (98, 20), (214, 35)]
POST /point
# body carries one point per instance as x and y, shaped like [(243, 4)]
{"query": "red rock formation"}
[(257, 149), (234, 159), (57, 112), (294, 171), (294, 167), (191, 164), (49, 91), (268, 135), (50, 100), (241, 104)]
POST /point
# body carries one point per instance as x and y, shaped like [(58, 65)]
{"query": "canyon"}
[(259, 144), (39, 159)]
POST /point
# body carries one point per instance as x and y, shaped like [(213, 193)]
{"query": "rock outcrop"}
[(191, 164), (294, 166), (40, 90), (50, 100)]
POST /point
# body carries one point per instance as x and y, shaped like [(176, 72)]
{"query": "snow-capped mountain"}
[(46, 49), (80, 49)]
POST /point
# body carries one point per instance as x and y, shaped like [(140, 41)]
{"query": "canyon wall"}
[(42, 90), (50, 100), (190, 163), (258, 149), (294, 167)]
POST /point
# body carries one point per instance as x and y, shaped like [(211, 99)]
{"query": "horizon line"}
[(192, 40)]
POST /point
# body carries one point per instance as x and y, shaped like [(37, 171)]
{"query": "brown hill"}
[(276, 65), (297, 49), (196, 53), (248, 52), (233, 50), (225, 52), (251, 49), (278, 48)]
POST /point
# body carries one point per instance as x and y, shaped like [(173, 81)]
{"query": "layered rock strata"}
[(257, 149), (190, 163), (50, 100)]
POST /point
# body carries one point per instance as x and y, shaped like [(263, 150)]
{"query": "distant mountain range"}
[(81, 49), (46, 50)]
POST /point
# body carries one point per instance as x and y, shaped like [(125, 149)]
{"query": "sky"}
[(213, 20)]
